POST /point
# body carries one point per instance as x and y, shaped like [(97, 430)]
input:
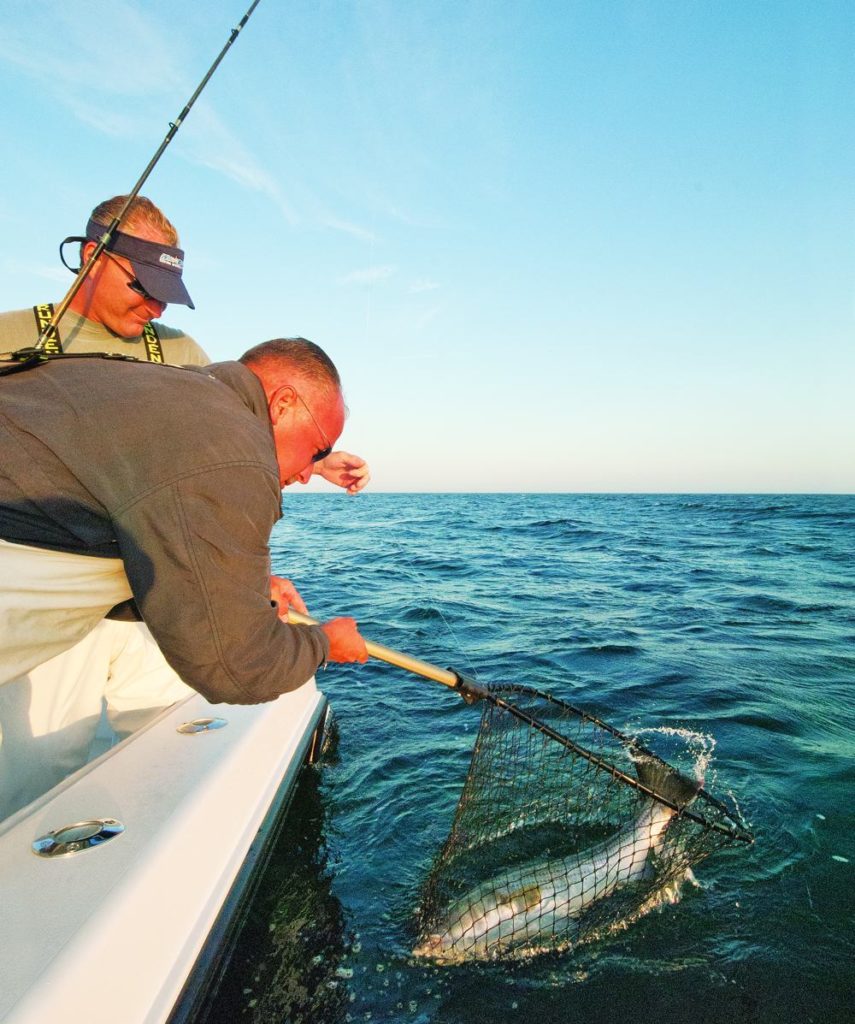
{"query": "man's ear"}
[(281, 401), (86, 250)]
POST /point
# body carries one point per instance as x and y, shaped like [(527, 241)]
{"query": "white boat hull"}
[(112, 933)]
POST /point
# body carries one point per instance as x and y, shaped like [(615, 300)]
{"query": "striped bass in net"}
[(540, 900)]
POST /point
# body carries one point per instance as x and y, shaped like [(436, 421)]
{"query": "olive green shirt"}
[(77, 334)]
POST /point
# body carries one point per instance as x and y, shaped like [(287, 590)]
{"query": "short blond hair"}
[(141, 213)]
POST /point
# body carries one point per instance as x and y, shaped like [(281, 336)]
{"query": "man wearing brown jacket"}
[(102, 501)]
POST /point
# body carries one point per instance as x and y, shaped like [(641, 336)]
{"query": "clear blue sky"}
[(575, 246)]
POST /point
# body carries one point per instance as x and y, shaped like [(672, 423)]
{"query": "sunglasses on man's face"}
[(322, 454), (134, 283)]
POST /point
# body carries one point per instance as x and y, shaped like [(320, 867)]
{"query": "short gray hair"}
[(305, 356)]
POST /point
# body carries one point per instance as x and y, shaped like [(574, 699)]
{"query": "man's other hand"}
[(285, 594), (344, 470), (346, 644)]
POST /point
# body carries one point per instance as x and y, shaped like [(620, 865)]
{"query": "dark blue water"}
[(728, 617)]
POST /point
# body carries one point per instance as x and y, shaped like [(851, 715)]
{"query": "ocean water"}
[(727, 619)]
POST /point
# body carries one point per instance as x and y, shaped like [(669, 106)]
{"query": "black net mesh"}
[(557, 837)]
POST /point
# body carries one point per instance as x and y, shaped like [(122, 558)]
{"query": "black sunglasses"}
[(134, 283)]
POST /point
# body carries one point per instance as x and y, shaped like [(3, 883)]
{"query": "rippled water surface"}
[(732, 617)]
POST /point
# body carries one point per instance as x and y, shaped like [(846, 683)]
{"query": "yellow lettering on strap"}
[(53, 346), (153, 350), (44, 314)]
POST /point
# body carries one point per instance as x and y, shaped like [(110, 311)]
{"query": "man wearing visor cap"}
[(120, 300), (44, 734), (114, 311), (148, 268), (155, 266)]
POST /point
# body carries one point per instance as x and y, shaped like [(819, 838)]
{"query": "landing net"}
[(566, 829)]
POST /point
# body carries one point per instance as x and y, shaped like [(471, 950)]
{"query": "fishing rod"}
[(30, 356)]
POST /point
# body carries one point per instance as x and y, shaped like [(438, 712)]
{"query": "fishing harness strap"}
[(53, 345)]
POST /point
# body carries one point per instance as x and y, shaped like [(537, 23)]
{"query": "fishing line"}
[(432, 604), (35, 354), (420, 578)]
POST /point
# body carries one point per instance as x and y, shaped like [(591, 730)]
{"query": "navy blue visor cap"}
[(157, 267)]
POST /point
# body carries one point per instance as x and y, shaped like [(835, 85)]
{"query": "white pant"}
[(49, 600), (49, 716), (51, 703)]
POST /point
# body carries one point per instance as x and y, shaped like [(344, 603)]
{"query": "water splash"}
[(689, 751)]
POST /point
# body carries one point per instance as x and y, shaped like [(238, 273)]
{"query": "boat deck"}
[(112, 932)]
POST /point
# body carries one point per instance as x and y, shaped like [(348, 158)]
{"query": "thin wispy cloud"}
[(40, 270), (104, 118), (250, 176), (370, 275), (427, 317), (88, 78), (64, 48), (349, 228), (131, 94), (210, 143), (424, 284), (409, 219)]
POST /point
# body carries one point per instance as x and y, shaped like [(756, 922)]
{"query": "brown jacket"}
[(173, 470)]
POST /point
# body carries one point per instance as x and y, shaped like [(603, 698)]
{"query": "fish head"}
[(463, 924), (435, 946), (468, 926)]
